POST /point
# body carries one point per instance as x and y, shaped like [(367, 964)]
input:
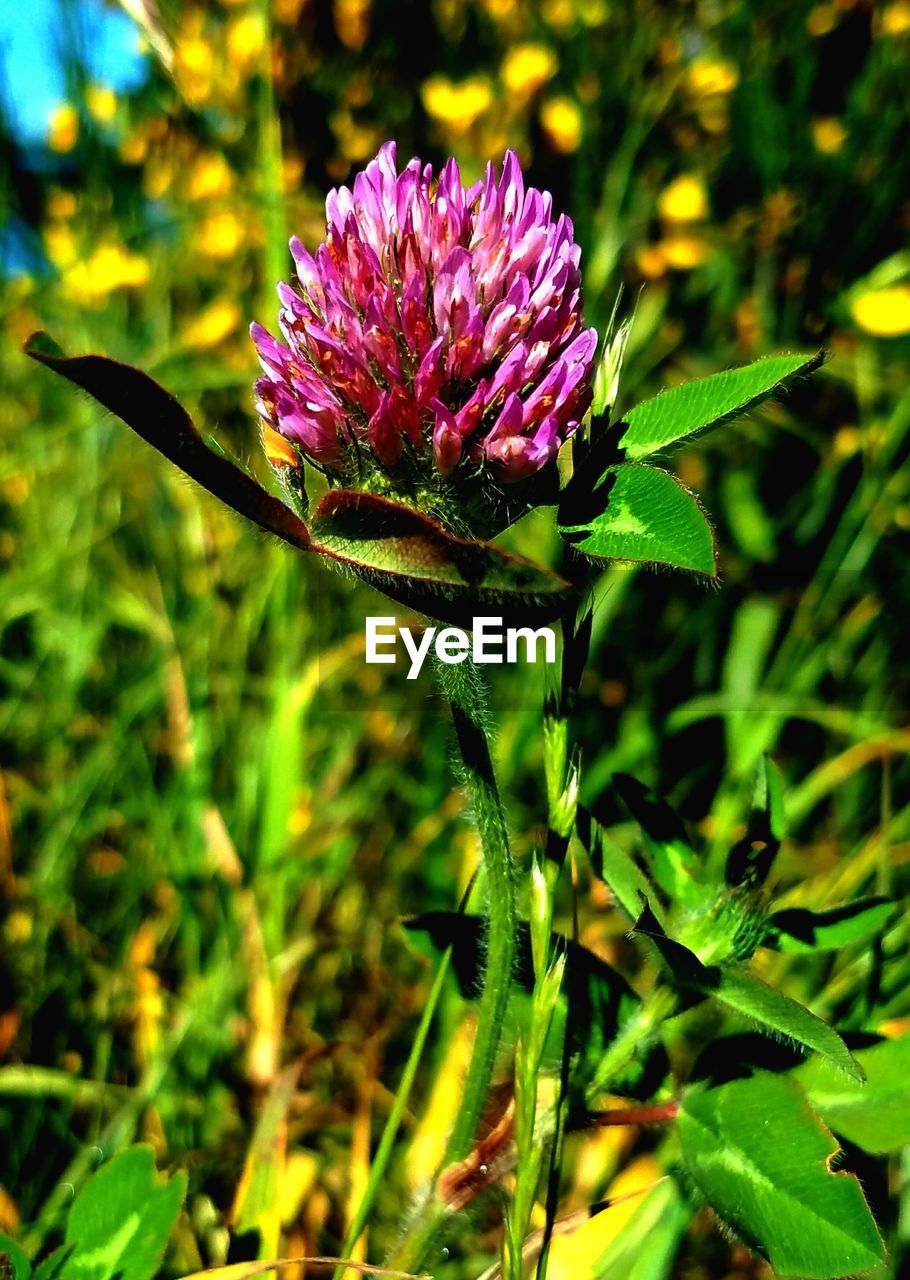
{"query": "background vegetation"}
[(213, 816)]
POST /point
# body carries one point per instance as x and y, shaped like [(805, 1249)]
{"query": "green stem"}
[(390, 1132), (464, 689)]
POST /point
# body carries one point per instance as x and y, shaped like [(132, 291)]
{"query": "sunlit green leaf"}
[(694, 407), (640, 513), (121, 1220), (762, 1160), (748, 996), (874, 1115), (14, 1263)]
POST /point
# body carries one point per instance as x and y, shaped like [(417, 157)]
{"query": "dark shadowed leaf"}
[(639, 513), (397, 549), (799, 930), (414, 560), (762, 1160), (874, 1115), (161, 420), (751, 858), (687, 410)]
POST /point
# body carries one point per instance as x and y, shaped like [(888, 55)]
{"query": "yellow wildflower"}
[(352, 22), (894, 19), (134, 147), (212, 325), (561, 121), (194, 69), (709, 76), (101, 102), (822, 19), (210, 177), (683, 253), (245, 39), (650, 261), (60, 245), (527, 68), (109, 268), (885, 313), (684, 200), (458, 106), (828, 134), (63, 130), (220, 235), (61, 204)]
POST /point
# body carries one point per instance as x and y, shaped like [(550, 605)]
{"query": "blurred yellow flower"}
[(101, 102), (220, 235), (60, 245), (650, 261), (828, 134), (458, 106), (885, 313), (709, 76), (352, 22), (134, 147), (60, 203), (683, 253), (210, 177), (109, 268), (822, 19), (194, 69), (212, 325), (63, 129), (527, 68), (684, 200), (894, 19), (245, 39), (561, 120)]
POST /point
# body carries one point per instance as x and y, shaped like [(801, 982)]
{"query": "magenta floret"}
[(434, 321)]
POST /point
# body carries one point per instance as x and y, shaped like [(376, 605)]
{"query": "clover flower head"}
[(437, 330)]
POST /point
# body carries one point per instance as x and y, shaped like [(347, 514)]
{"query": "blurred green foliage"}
[(212, 814)]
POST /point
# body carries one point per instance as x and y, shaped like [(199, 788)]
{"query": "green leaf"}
[(674, 863), (397, 549), (747, 995), (162, 421), (876, 1115), (754, 999), (762, 1160), (798, 930), (14, 1263), (414, 560), (628, 884), (684, 411), (640, 513), (121, 1220)]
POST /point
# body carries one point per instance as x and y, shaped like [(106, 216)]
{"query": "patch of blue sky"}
[(37, 37)]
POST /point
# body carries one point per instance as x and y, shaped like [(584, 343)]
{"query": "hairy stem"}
[(464, 689)]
